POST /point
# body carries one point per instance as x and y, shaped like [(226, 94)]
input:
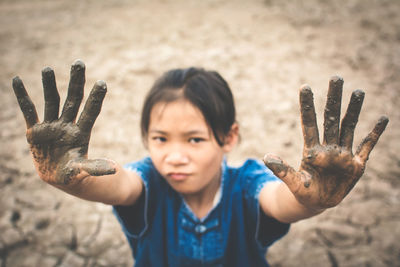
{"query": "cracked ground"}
[(266, 49)]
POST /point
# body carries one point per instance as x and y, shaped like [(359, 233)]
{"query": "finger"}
[(283, 171), (370, 141), (80, 168), (349, 121), (25, 103), (92, 107), (308, 117), (75, 92), (98, 167), (51, 96), (332, 111)]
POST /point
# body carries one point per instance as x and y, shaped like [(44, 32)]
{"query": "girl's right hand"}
[(59, 146)]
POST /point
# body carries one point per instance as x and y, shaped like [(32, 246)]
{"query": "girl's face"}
[(183, 147)]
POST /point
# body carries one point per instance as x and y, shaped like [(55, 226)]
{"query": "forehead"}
[(179, 114)]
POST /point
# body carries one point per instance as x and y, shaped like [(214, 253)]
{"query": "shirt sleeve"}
[(267, 229), (134, 218)]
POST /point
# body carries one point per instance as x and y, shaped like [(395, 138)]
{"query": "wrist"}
[(311, 210)]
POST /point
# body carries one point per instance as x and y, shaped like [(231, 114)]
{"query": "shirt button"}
[(199, 229)]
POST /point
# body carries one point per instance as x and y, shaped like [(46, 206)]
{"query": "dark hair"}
[(206, 90)]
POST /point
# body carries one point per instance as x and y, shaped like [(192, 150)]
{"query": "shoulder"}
[(252, 169), (143, 164), (144, 168), (252, 176)]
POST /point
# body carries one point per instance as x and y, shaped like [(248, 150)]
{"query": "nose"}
[(177, 158)]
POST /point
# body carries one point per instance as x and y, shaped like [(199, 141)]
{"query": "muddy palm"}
[(328, 171), (59, 146)]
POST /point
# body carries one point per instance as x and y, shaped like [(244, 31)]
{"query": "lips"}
[(178, 176)]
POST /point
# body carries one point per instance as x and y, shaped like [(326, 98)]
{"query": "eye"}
[(159, 139), (196, 140)]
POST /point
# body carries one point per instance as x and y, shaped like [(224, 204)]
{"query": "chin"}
[(183, 189)]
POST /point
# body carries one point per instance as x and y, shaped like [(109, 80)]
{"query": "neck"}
[(203, 201)]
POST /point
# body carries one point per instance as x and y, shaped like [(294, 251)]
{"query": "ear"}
[(231, 138)]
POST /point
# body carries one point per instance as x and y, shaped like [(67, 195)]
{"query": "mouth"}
[(178, 176)]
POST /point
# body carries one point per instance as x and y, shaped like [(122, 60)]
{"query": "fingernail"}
[(47, 70), (101, 84), (272, 159), (336, 78), (78, 64)]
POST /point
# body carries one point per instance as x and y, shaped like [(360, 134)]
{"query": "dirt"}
[(265, 49)]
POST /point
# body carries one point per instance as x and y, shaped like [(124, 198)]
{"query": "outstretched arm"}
[(59, 146), (328, 171)]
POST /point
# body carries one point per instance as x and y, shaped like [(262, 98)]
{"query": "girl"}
[(183, 205)]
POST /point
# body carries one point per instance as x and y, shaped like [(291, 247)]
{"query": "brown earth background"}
[(264, 49)]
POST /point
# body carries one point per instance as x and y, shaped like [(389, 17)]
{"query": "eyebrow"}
[(194, 132), (188, 133), (157, 131)]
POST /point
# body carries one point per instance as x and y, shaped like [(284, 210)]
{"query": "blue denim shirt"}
[(163, 231)]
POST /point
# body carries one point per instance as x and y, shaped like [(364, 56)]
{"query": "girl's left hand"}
[(328, 171)]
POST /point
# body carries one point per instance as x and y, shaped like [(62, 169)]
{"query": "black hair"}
[(206, 90)]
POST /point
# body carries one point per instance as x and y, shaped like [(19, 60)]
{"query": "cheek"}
[(158, 164), (211, 160), (155, 155)]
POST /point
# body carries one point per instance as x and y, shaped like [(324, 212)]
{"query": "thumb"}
[(282, 170), (98, 167), (78, 169)]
